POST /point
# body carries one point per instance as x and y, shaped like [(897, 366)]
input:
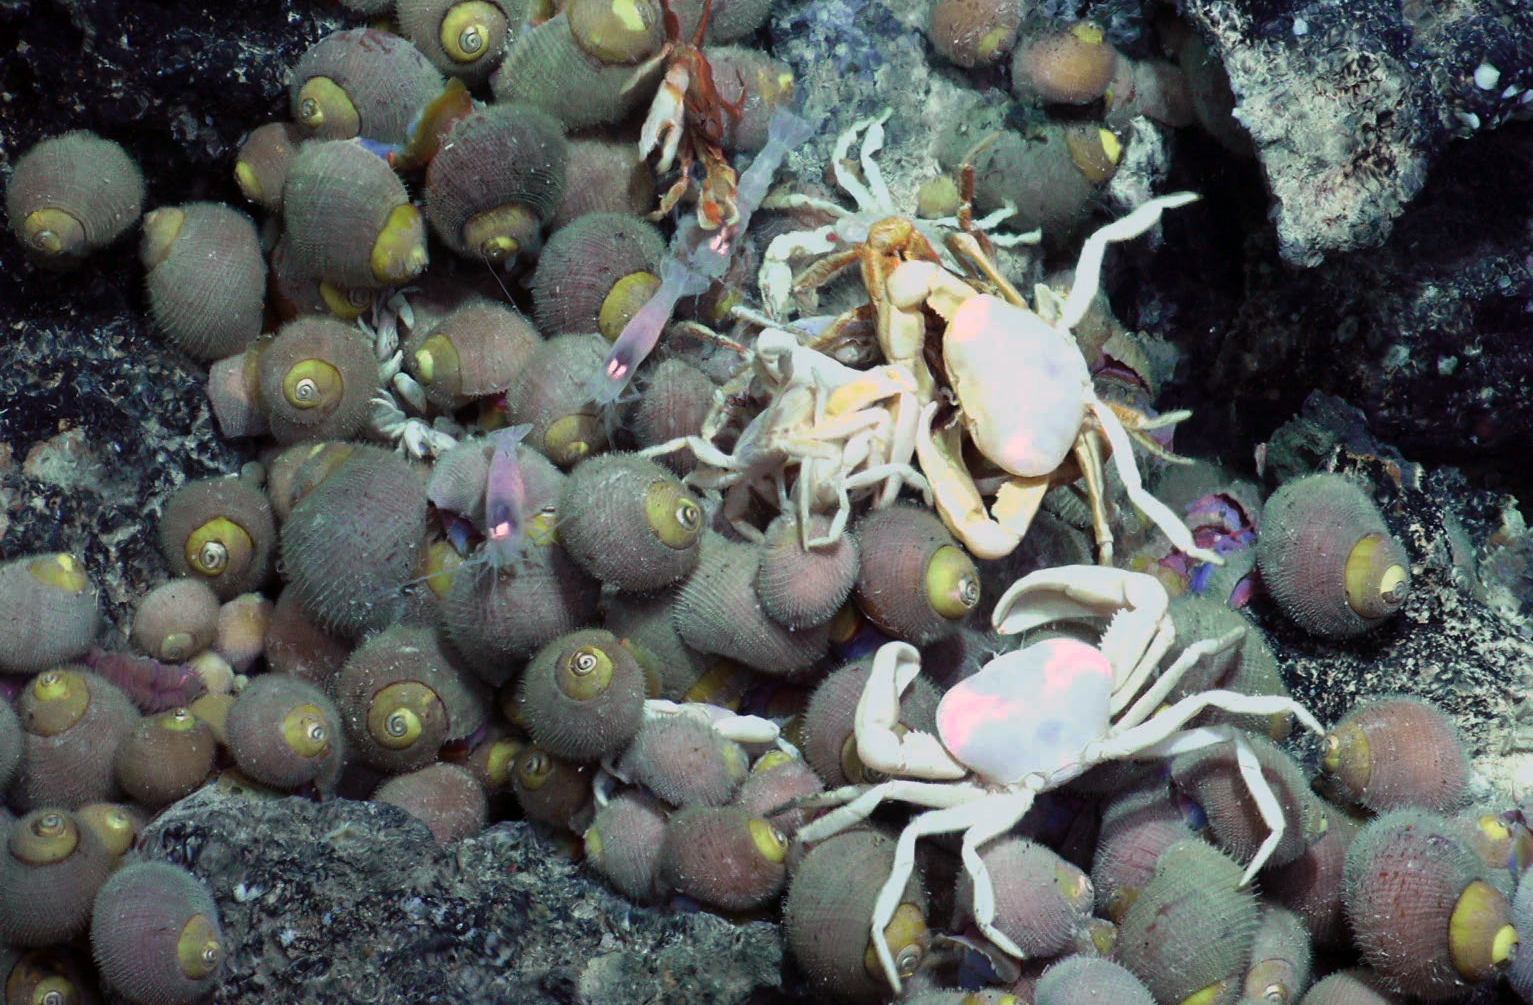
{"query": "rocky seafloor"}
[(1357, 294)]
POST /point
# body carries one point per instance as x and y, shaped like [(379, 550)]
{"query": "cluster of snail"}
[(601, 665)]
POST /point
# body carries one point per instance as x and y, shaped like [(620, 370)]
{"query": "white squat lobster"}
[(1033, 719)]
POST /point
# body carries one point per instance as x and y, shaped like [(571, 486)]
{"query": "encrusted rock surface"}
[(349, 902)]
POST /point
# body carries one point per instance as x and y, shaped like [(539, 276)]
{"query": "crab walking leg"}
[(857, 803), (1088, 271), (872, 143), (954, 494), (1159, 513), (872, 132), (1088, 457), (995, 816), (1151, 700), (915, 753)]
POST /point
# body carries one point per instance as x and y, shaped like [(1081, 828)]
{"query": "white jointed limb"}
[(994, 816), (1088, 271), (1151, 700), (915, 753), (855, 803)]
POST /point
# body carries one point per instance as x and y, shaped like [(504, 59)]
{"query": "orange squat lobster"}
[(689, 115)]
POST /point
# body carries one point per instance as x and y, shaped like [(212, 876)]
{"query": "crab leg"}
[(916, 753), (1088, 272), (997, 820), (955, 496)]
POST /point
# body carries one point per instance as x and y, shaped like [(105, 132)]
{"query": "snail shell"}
[(915, 582), (1211, 777), (51, 612), (552, 791), (547, 66), (462, 38), (1249, 667), (623, 845), (167, 756), (260, 167), (552, 394), (445, 797), (724, 857), (595, 273), (675, 404), (1086, 980), (392, 696), (476, 350), (206, 277), (1281, 959), (604, 176), (973, 33), (117, 825), (50, 869), (643, 622), (176, 620), (1421, 909), (221, 531), (349, 219), (799, 587), (1042, 902), (778, 778), (295, 645), (1191, 929), (33, 975), (582, 696), (1395, 751), (74, 720), (1353, 986), (1328, 559), (72, 194), (1137, 825), (826, 912), (630, 522), (361, 82), (718, 612), (316, 377), (352, 543), (1039, 173), (751, 80), (285, 733), (829, 744), (495, 181), (685, 761), (1063, 65), (1310, 885), (10, 744), (156, 936), (297, 290)]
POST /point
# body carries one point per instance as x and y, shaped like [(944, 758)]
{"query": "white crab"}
[(842, 428), (408, 430), (873, 202), (1033, 719)]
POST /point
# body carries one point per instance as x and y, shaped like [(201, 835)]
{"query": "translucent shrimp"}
[(505, 500)]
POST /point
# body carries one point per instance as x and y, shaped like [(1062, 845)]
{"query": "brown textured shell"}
[(604, 176), (444, 797), (496, 619), (165, 757), (353, 542), (476, 350), (10, 744), (295, 645), (67, 760), (1192, 926), (580, 263), (445, 709), (255, 733), (1311, 884), (675, 403), (826, 912), (502, 155), (386, 78), (711, 855), (1042, 902), (577, 727), (643, 621), (1083, 980), (551, 791), (91, 179), (625, 531), (1211, 778), (341, 411), (1281, 958), (206, 290), (775, 780), (1394, 751), (1137, 825), (718, 612), (1037, 174), (803, 588), (1405, 873), (245, 506), (755, 82), (1249, 668), (264, 156), (335, 204), (176, 620), (897, 544), (623, 845), (48, 903), (545, 67), (973, 32), (152, 923), (458, 477), (1309, 529), (685, 762), (421, 21), (46, 620), (552, 394)]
